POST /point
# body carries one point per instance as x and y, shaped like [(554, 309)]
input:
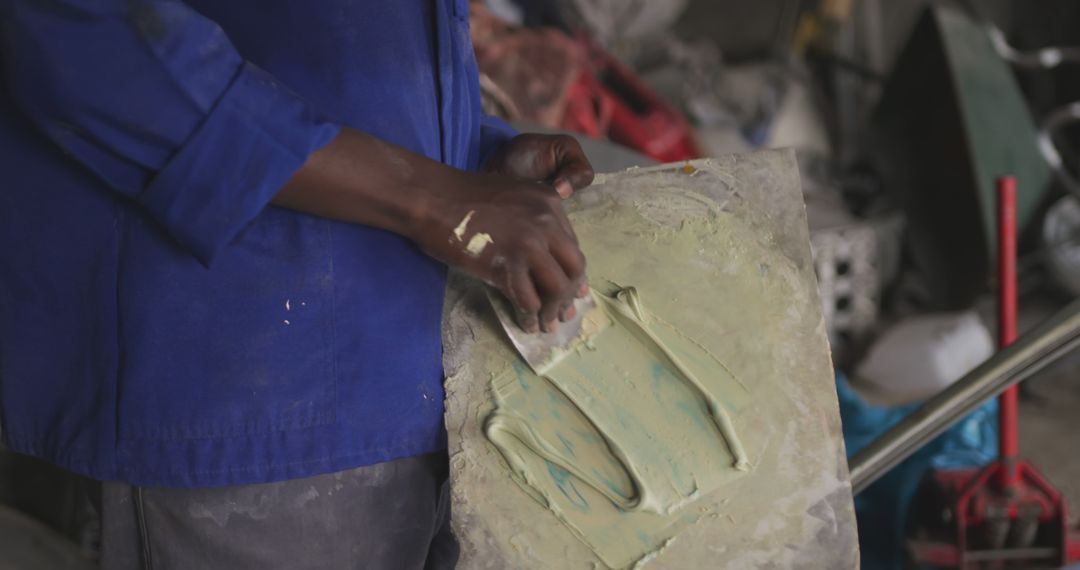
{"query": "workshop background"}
[(904, 115)]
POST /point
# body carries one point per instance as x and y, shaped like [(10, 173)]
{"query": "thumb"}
[(564, 187), (573, 170)]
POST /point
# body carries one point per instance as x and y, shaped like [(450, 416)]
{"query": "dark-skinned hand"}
[(505, 227), (556, 160), (513, 235)]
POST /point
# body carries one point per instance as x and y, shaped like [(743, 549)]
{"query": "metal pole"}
[(1049, 341), (1008, 402)]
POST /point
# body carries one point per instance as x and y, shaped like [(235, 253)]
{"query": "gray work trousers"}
[(388, 516)]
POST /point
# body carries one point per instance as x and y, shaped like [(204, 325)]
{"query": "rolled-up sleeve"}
[(153, 99)]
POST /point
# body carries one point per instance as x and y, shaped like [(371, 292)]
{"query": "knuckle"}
[(530, 306), (524, 299), (527, 321), (552, 288), (501, 274), (546, 219), (563, 238), (526, 303), (533, 243), (577, 264), (550, 310)]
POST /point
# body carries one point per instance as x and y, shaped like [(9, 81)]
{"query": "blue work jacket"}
[(160, 323)]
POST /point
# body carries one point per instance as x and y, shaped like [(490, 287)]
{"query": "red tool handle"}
[(1007, 403)]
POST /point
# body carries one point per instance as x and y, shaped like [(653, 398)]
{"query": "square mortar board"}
[(718, 250), (950, 121)]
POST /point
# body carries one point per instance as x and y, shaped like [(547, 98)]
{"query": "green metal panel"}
[(950, 121), (998, 125)]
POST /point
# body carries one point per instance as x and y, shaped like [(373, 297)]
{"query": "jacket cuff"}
[(254, 139), (493, 133)]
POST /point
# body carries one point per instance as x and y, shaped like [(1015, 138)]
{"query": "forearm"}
[(360, 179), (526, 246)]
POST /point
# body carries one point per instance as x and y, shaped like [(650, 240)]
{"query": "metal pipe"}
[(1045, 58), (1053, 123), (1052, 339)]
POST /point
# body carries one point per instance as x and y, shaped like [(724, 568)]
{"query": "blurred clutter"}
[(544, 77), (903, 115)]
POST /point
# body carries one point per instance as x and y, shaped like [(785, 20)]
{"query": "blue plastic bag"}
[(882, 509)]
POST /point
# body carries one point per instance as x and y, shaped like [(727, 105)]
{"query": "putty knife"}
[(541, 350)]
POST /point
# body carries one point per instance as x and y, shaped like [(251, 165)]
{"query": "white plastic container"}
[(920, 356)]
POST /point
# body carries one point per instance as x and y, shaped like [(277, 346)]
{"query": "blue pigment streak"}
[(519, 370), (562, 480), (658, 372), (566, 443), (644, 538), (695, 414), (610, 485), (586, 436)]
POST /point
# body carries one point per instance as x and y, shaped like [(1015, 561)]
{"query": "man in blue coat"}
[(224, 232)]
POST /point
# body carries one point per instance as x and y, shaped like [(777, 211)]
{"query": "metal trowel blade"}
[(541, 350)]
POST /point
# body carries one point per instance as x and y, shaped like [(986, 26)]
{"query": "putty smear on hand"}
[(459, 231), (478, 243)]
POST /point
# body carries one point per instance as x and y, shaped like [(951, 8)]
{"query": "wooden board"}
[(746, 292)]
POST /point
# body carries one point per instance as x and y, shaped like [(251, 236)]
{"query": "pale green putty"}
[(624, 431)]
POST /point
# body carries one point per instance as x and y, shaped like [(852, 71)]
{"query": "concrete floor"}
[(1050, 427), (1049, 404)]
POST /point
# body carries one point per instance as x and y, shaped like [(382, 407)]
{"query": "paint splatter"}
[(478, 243)]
